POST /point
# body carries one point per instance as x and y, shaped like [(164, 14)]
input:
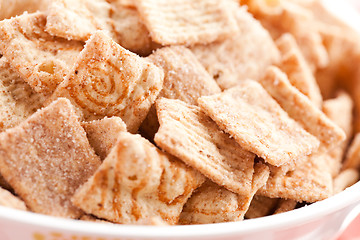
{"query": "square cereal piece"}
[(297, 69), (184, 78), (214, 204), (12, 8), (7, 199), (108, 80), (46, 158), (103, 134), (309, 182), (194, 138), (261, 206), (137, 181), (345, 179), (186, 22), (301, 109), (256, 121), (19, 101), (245, 55), (40, 59), (339, 110), (352, 158), (285, 205)]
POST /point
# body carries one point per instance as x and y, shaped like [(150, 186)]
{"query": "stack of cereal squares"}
[(175, 111)]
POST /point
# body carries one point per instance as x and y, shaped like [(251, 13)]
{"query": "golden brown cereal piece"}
[(285, 205), (261, 206), (40, 59), (310, 182), (108, 80), (245, 55), (287, 16), (352, 159), (186, 22), (300, 108), (249, 114), (297, 69), (103, 134), (46, 158), (339, 110), (19, 101), (7, 199), (194, 138), (12, 8), (214, 204), (137, 181), (185, 79), (345, 179)]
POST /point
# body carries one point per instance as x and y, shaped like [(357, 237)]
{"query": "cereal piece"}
[(185, 79), (186, 21), (19, 101), (249, 114), (301, 109), (352, 159), (245, 55), (285, 205), (12, 8), (310, 182), (103, 134), (261, 206), (137, 181), (194, 138), (345, 179), (214, 204), (40, 59), (297, 69), (286, 16), (77, 20), (7, 199), (339, 110), (46, 158), (108, 80), (91, 218)]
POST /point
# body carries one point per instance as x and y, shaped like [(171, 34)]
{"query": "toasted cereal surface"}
[(244, 55), (261, 206), (213, 204), (255, 120), (40, 59), (352, 158), (186, 22), (297, 69), (46, 158), (285, 205), (301, 109), (7, 199), (187, 133), (136, 182), (103, 134), (14, 8), (345, 179), (108, 80), (184, 78)]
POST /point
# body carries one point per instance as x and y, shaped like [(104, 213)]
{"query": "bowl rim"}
[(285, 220)]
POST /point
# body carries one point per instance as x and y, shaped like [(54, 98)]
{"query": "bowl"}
[(326, 219)]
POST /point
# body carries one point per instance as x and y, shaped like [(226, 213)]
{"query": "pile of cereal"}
[(175, 111)]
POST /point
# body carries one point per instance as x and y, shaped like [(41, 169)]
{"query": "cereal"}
[(297, 69), (40, 59), (194, 138), (301, 109), (108, 80), (14, 8), (7, 199), (185, 21), (103, 134), (185, 79), (345, 179), (258, 123), (137, 181), (245, 55), (46, 158), (213, 204), (285, 205), (261, 206), (352, 159)]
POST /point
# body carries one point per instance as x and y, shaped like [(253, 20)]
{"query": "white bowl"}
[(322, 220)]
